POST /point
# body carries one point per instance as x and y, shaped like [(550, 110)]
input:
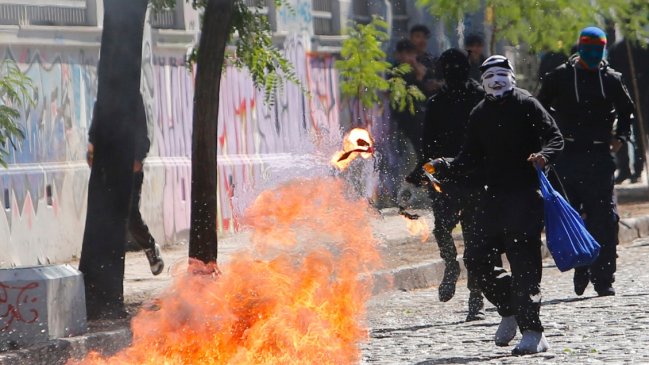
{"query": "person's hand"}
[(406, 194), (420, 70), (90, 154), (537, 160), (137, 166), (616, 144)]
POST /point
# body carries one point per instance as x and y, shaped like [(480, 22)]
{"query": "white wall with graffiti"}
[(44, 189)]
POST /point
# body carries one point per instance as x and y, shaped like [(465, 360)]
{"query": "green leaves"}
[(255, 51), (363, 68), (15, 92), (547, 24), (401, 94)]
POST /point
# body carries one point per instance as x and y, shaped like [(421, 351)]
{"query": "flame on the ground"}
[(357, 142), (290, 299), (418, 227)]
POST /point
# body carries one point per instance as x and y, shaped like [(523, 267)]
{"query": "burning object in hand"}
[(357, 142), (429, 171)]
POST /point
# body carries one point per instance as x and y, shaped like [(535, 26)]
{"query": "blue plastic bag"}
[(570, 244)]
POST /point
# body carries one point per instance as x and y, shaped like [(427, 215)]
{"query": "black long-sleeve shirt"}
[(503, 134), (586, 103), (141, 140)]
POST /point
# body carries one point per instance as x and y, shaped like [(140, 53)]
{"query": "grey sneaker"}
[(155, 261), (506, 331), (532, 342)]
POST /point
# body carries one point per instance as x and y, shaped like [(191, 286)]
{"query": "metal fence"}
[(18, 14), (322, 17), (164, 19)]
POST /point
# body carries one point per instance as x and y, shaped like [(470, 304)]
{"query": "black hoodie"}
[(585, 103), (503, 133)]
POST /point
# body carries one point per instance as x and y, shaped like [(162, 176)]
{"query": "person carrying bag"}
[(568, 240)]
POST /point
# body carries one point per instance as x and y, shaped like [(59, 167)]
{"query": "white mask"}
[(498, 81)]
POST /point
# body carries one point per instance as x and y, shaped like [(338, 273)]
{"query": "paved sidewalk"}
[(409, 264), (415, 328)]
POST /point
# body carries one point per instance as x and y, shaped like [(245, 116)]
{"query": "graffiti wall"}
[(261, 145), (44, 190)]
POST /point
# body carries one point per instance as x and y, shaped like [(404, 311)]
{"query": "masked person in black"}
[(447, 114), (587, 96), (508, 133)]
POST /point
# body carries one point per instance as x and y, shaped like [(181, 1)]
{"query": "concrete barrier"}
[(39, 304)]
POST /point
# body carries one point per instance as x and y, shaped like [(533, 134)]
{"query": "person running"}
[(136, 226), (587, 96), (509, 133), (447, 114)]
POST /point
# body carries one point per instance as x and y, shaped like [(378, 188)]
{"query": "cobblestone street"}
[(415, 328)]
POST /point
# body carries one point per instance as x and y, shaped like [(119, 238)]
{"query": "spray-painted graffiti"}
[(43, 192), (260, 145), (17, 304)]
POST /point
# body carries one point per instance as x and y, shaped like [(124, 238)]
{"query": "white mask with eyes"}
[(498, 81)]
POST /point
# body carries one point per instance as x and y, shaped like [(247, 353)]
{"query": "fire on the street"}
[(357, 142), (418, 227), (293, 298)]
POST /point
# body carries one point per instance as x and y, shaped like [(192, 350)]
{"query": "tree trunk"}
[(209, 64), (111, 178), (642, 138)]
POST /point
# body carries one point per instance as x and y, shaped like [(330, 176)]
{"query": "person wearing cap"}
[(509, 133), (586, 96), (447, 114)]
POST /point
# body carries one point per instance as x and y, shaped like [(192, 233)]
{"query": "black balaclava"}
[(454, 67)]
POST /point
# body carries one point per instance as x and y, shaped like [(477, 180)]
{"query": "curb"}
[(59, 351), (418, 276)]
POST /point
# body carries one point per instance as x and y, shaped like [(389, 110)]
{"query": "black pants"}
[(136, 226), (514, 220), (453, 206), (588, 181)]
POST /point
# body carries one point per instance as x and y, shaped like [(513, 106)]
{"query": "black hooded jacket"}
[(586, 103), (502, 134), (141, 138)]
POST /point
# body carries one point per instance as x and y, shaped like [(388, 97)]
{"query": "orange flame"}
[(418, 227), (357, 142), (290, 299)]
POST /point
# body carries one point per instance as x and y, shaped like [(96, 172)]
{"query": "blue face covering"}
[(591, 54)]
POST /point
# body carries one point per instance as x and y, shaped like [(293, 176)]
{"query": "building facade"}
[(57, 42)]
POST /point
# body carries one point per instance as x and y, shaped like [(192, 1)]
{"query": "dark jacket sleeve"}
[(624, 107), (544, 124), (92, 132), (142, 143), (547, 92), (471, 153)]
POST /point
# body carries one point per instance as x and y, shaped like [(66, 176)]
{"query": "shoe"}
[(532, 342), (606, 292), (621, 177), (506, 331), (581, 280), (155, 261), (476, 307), (446, 288)]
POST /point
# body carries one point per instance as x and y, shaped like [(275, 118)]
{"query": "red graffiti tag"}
[(14, 305)]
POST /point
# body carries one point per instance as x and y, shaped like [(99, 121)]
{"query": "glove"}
[(406, 195), (436, 169)]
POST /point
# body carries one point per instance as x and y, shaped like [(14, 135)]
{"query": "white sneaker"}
[(532, 342), (506, 331), (155, 261)]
